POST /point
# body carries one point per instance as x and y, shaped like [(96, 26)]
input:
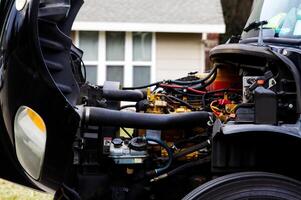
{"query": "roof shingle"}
[(207, 12)]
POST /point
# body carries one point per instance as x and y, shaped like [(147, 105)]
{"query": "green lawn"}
[(10, 191)]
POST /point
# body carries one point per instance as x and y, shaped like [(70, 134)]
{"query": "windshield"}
[(283, 17)]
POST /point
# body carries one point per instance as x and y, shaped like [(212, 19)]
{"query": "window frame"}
[(88, 62), (128, 62)]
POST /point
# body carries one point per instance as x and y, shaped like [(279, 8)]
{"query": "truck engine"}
[(233, 133), (252, 91)]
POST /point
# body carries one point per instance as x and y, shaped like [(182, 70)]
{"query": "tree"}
[(236, 13)]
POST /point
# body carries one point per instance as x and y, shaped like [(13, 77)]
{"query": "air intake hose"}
[(106, 117)]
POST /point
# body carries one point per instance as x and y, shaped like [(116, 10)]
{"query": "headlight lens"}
[(30, 140)]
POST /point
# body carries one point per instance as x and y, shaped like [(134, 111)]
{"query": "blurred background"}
[(137, 42), (141, 41)]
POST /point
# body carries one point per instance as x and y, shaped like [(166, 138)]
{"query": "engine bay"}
[(256, 91)]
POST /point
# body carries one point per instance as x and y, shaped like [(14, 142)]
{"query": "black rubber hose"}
[(126, 132), (183, 168), (189, 165), (212, 72), (170, 156), (191, 149), (176, 82), (124, 95), (143, 86), (186, 93), (181, 143), (184, 103), (205, 84), (218, 91), (106, 117)]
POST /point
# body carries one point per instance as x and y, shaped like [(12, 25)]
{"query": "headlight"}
[(30, 140)]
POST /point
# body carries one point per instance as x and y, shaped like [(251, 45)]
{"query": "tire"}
[(248, 186)]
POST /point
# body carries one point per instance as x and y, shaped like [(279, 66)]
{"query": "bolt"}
[(284, 52)]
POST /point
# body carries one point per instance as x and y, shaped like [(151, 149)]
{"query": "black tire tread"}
[(243, 176)]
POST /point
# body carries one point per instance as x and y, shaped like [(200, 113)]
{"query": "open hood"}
[(36, 75)]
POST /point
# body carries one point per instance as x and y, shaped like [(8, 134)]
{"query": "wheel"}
[(248, 186)]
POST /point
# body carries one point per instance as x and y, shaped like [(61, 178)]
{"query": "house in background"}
[(141, 41)]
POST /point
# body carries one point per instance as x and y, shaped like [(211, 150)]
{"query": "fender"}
[(240, 147)]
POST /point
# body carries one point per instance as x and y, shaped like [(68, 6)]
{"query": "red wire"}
[(181, 87), (196, 91), (171, 86)]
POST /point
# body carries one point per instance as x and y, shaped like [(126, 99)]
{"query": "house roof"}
[(198, 16)]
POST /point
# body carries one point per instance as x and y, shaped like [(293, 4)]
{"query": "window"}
[(115, 73), (126, 57), (88, 42), (115, 43), (142, 75), (142, 57), (115, 52), (142, 46), (91, 73)]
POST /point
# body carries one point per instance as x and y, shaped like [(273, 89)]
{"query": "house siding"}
[(178, 54)]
